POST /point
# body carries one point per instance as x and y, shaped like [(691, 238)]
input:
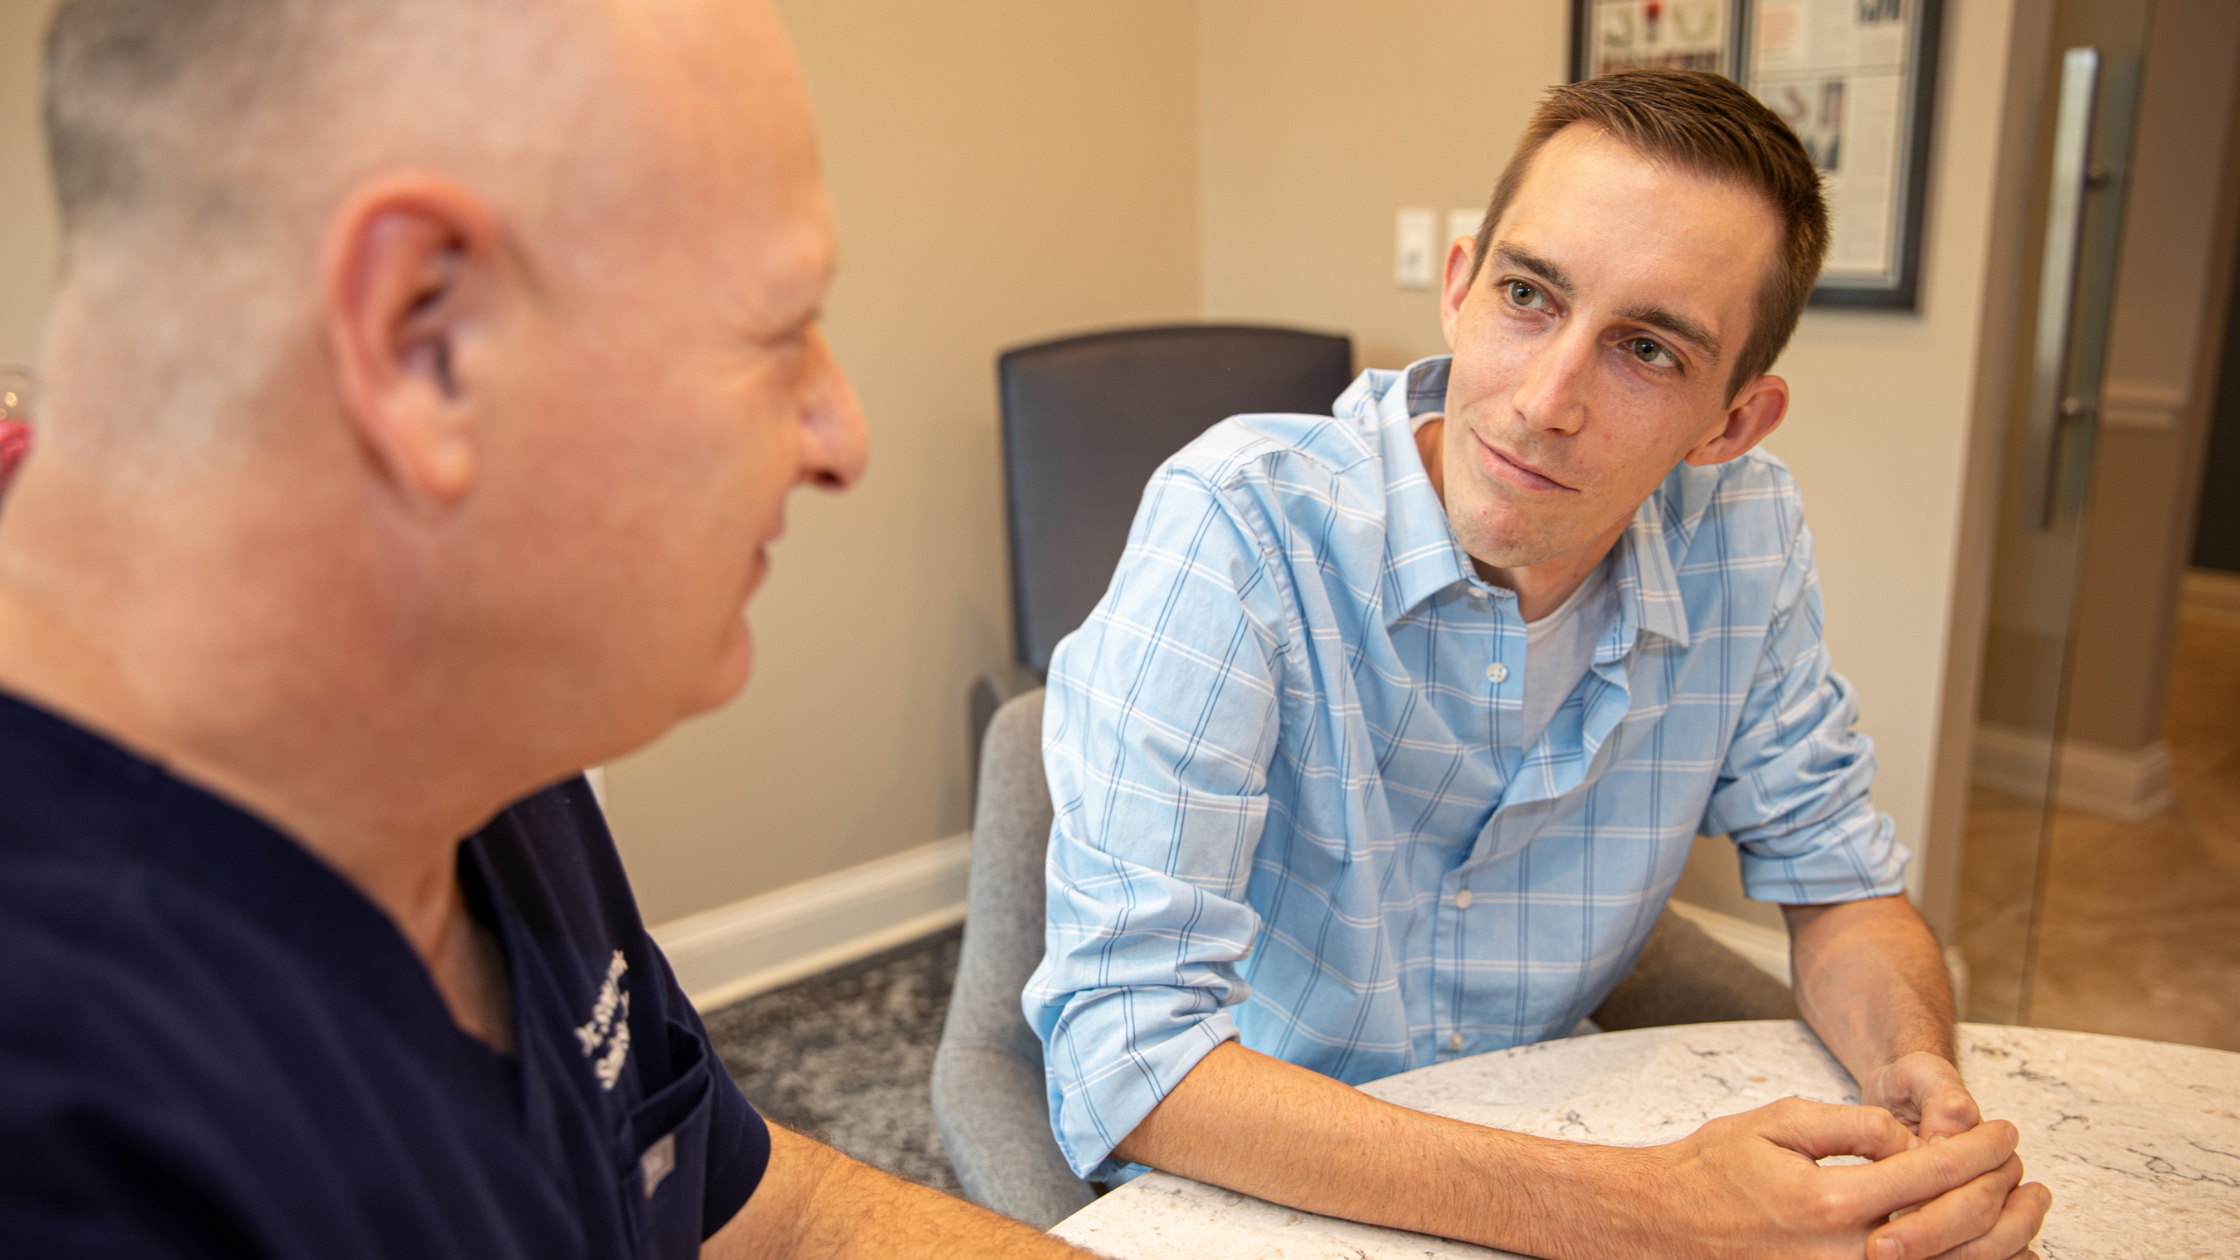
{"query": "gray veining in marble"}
[(2139, 1141)]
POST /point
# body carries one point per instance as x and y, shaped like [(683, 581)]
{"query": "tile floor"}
[(2139, 935)]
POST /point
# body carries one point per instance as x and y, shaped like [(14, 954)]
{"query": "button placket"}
[(1462, 900)]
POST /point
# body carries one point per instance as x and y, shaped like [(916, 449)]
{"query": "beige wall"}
[(1004, 171), (27, 229), (1321, 118)]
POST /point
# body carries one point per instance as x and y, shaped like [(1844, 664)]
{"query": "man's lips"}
[(758, 568), (1515, 471)]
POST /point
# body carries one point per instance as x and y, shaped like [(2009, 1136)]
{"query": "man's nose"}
[(1551, 395), (834, 443)]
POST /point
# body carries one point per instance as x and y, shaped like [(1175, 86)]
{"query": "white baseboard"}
[(2128, 785), (2210, 598), (1766, 948), (750, 946)]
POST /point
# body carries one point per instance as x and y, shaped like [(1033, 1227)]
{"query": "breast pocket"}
[(662, 1154)]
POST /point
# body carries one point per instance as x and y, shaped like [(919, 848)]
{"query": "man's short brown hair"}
[(1704, 124)]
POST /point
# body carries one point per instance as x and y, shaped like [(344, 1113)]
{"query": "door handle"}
[(2052, 407)]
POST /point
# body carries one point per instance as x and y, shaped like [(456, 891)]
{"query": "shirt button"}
[(1463, 899), (1454, 1042), (1497, 673)]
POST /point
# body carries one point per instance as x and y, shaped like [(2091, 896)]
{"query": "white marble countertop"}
[(2138, 1140)]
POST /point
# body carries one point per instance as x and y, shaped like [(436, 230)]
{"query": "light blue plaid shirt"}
[(1292, 805)]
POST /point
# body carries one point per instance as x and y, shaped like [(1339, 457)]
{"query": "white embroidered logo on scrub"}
[(609, 1026)]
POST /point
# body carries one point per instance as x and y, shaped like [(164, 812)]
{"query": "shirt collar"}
[(1422, 555), (1648, 588)]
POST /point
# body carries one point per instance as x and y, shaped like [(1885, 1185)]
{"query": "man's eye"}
[(1650, 352), (1524, 294)]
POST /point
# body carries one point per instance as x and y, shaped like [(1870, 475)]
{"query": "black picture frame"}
[(1582, 21), (1899, 287)]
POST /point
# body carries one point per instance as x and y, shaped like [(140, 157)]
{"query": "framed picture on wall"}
[(1609, 35), (1856, 80)]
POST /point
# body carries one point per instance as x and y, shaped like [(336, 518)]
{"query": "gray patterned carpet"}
[(846, 1056)]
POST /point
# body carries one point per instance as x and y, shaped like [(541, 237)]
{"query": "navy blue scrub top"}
[(212, 1045)]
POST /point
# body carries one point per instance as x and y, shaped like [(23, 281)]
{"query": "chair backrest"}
[(1087, 420), (988, 1086)]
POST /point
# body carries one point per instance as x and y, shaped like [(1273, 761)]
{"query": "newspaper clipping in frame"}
[(1659, 35), (1835, 70)]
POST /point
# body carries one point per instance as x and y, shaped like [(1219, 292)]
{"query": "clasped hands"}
[(1754, 1179)]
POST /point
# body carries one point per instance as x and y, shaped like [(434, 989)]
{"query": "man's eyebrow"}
[(1680, 326), (1524, 259)]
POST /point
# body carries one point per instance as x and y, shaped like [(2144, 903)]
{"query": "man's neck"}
[(1541, 588), (190, 661)]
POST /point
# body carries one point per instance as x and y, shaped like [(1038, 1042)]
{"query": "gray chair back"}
[(988, 1096)]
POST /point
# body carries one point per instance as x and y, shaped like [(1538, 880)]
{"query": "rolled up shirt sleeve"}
[(1158, 728), (1794, 791)]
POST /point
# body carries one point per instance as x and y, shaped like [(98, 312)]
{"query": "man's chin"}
[(1505, 543), (727, 677)]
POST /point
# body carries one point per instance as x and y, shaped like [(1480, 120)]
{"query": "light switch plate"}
[(1414, 248)]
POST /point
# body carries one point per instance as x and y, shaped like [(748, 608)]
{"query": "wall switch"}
[(1461, 223), (1413, 248)]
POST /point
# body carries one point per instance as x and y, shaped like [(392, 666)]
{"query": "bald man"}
[(426, 382)]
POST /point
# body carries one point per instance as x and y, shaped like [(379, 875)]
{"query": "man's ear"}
[(1751, 418), (406, 284), (1457, 285)]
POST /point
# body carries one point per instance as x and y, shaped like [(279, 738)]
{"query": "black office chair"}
[(1086, 421)]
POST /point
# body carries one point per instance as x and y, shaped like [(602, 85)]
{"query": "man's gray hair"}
[(199, 146), (139, 95), (203, 111)]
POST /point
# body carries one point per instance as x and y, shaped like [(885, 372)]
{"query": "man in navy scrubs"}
[(426, 382)]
